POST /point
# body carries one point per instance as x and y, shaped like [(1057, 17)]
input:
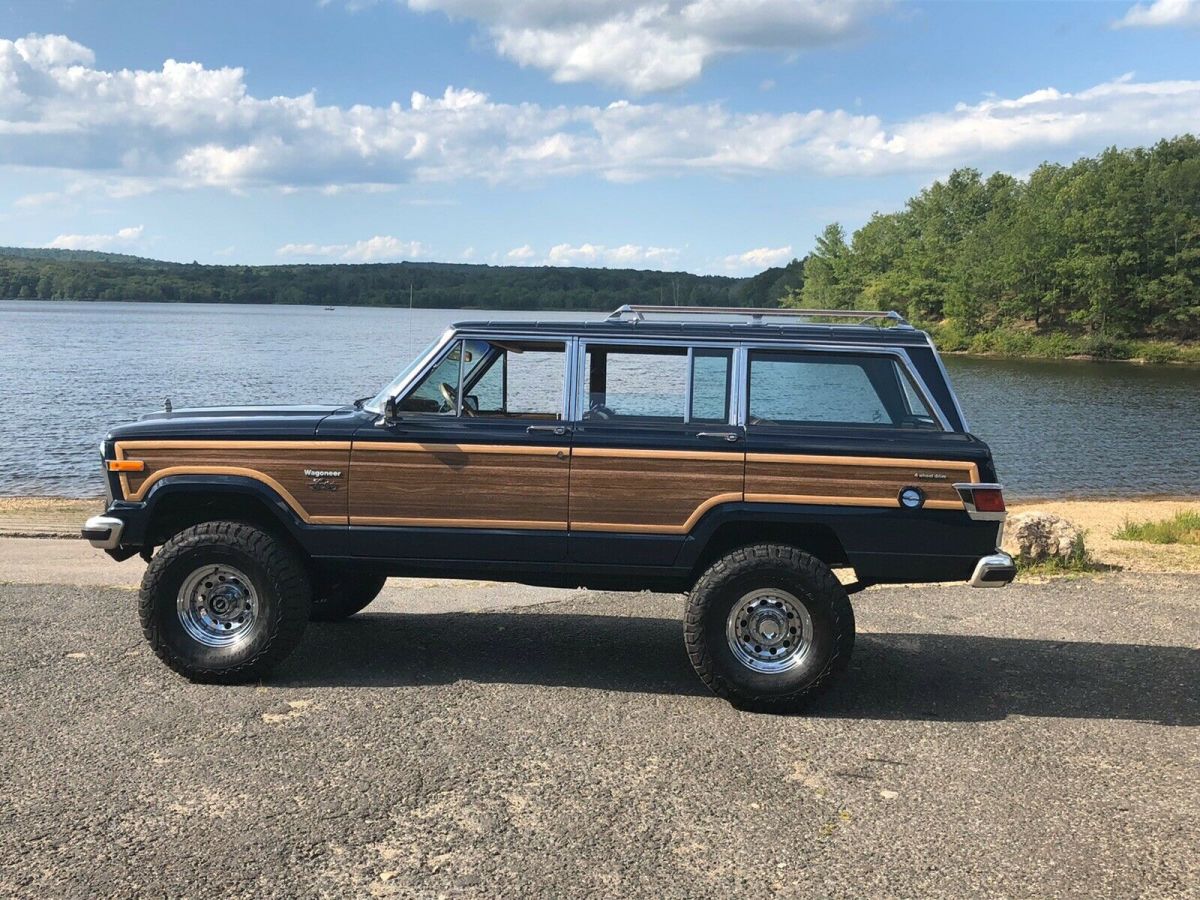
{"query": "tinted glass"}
[(710, 385), (635, 383), (796, 388), (523, 380)]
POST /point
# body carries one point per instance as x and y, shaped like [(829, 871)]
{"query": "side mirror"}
[(390, 416)]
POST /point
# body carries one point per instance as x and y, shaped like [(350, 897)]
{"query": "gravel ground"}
[(1040, 740)]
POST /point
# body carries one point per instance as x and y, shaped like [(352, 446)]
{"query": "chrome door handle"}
[(549, 429), (722, 435)]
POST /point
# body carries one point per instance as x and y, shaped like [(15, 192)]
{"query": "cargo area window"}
[(787, 388)]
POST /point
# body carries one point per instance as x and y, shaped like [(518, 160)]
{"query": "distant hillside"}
[(87, 275), (72, 255)]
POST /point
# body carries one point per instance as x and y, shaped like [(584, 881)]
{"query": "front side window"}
[(807, 388), (522, 380), (496, 379)]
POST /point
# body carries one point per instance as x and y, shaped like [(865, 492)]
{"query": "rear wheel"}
[(767, 626), (339, 595), (224, 602)]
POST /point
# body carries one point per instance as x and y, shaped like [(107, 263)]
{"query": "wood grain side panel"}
[(279, 465), (647, 492), (460, 486), (853, 480)]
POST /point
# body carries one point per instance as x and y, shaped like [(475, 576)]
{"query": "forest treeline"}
[(1078, 258), (84, 275), (1100, 257)]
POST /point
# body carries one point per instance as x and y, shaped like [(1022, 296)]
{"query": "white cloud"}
[(521, 254), (376, 249), (650, 45), (124, 239), (624, 256), (759, 258), (184, 126), (1161, 13)]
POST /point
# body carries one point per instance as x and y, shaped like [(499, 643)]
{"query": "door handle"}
[(719, 435), (547, 429)]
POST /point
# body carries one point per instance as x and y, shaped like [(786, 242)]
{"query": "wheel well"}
[(175, 512), (819, 540)]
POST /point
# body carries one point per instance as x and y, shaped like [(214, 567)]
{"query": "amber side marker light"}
[(126, 465)]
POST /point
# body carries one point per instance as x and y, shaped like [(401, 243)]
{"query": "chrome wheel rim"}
[(217, 606), (769, 630)]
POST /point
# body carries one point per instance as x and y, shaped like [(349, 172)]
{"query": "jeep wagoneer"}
[(738, 456)]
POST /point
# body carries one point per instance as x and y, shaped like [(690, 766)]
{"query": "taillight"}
[(989, 499), (982, 501)]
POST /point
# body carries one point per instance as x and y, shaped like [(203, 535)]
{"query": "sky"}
[(713, 136)]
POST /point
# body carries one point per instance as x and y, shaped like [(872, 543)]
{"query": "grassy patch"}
[(1181, 528)]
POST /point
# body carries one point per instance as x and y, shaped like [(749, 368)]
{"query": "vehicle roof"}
[(869, 335)]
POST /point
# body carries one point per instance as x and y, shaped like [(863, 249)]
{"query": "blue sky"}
[(708, 135)]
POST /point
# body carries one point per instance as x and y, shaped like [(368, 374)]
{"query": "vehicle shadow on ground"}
[(964, 678)]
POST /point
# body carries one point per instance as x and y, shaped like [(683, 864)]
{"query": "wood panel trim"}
[(516, 449), (230, 445), (618, 453), (510, 524), (270, 482), (882, 461), (261, 477), (661, 529), (819, 500)]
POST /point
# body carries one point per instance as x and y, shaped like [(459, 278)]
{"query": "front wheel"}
[(224, 602), (767, 626)]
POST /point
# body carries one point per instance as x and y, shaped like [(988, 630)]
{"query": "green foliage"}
[(1181, 528), (1101, 251), (768, 288), (76, 275)]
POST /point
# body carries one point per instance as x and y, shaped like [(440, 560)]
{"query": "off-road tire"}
[(339, 595), (279, 580), (748, 569)]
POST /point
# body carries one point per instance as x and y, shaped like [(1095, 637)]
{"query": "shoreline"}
[(60, 517), (1185, 353)]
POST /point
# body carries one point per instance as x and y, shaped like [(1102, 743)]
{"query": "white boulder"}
[(1036, 536)]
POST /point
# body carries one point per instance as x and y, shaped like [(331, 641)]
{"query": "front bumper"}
[(103, 532), (995, 570)]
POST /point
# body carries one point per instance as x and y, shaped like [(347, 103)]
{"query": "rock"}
[(1035, 536)]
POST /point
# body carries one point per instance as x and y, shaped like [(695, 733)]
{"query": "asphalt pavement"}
[(476, 740)]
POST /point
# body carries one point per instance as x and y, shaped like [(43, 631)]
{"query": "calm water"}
[(69, 370)]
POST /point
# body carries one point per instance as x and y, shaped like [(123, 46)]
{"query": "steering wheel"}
[(599, 411), (451, 396)]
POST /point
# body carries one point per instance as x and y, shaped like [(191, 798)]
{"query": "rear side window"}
[(806, 388)]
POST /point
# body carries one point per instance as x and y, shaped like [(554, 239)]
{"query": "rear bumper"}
[(995, 570), (103, 532)]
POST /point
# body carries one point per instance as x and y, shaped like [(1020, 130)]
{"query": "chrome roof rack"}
[(632, 312)]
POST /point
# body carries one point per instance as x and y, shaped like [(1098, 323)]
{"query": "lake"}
[(69, 370)]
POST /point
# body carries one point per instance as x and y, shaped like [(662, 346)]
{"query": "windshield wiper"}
[(358, 404)]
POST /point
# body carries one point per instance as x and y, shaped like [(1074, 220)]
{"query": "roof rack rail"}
[(637, 313)]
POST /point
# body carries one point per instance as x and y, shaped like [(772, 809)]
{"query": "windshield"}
[(375, 404)]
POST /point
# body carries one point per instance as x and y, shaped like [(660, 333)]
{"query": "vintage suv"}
[(737, 455)]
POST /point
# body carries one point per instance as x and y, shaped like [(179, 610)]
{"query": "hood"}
[(234, 422)]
